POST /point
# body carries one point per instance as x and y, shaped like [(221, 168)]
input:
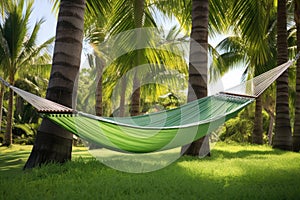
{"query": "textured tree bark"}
[(135, 98), (271, 125), (139, 7), (198, 68), (8, 139), (100, 66), (257, 137), (122, 96), (1, 104), (296, 136), (8, 130), (283, 136), (54, 144)]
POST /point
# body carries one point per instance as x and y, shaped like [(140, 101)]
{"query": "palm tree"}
[(17, 49), (100, 64), (136, 16), (123, 15), (139, 6), (91, 80), (119, 75), (216, 14), (198, 67), (257, 44), (296, 136), (54, 144), (3, 5), (283, 135)]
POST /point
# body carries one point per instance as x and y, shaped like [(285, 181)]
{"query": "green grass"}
[(233, 172)]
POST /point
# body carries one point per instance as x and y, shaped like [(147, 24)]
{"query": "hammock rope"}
[(156, 131), (256, 86), (41, 104)]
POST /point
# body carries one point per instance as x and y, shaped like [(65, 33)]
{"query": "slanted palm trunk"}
[(257, 137), (283, 136), (198, 67), (54, 144), (296, 136)]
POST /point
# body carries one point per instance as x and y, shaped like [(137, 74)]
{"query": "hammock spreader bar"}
[(41, 104)]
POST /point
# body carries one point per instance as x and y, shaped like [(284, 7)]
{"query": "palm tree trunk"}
[(2, 90), (296, 136), (198, 67), (122, 96), (139, 6), (100, 66), (257, 137), (271, 125), (283, 135), (8, 130), (135, 98), (54, 144)]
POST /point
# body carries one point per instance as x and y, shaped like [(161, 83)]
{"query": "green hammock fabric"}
[(156, 131)]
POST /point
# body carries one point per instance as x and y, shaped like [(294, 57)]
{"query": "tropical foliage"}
[(18, 49), (122, 79)]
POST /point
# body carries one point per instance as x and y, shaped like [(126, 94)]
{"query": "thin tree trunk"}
[(257, 137), (2, 90), (9, 123), (139, 6), (135, 98), (19, 106), (54, 144), (122, 97), (283, 135), (100, 66), (198, 68), (296, 136), (271, 125)]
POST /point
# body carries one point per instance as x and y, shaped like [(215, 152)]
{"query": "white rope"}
[(256, 86), (41, 104)]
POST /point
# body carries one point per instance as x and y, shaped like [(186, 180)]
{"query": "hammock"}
[(156, 131)]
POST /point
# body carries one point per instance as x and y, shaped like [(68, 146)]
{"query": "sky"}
[(43, 9)]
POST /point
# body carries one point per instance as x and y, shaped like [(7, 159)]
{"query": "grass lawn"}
[(233, 172)]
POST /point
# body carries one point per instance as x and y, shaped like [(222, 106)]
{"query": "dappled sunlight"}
[(207, 168), (231, 163), (233, 172), (13, 157)]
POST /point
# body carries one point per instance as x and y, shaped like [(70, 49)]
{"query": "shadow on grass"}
[(87, 178), (12, 160), (216, 154), (132, 163)]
